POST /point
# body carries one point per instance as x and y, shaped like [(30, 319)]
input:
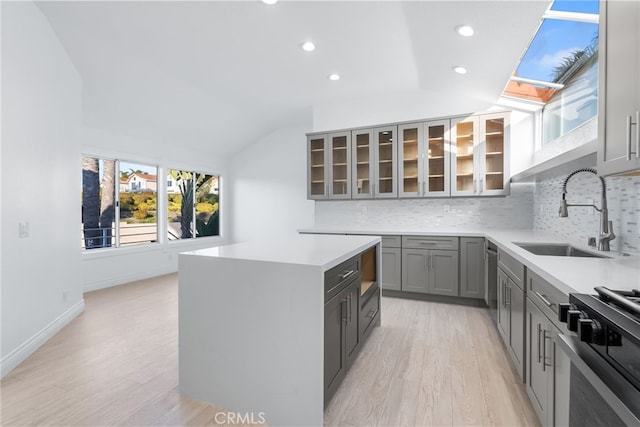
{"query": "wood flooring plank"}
[(117, 364)]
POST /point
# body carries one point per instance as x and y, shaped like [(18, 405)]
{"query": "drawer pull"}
[(346, 274), (544, 300), (428, 243)]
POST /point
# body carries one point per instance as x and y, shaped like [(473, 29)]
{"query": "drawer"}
[(512, 267), (391, 241), (430, 242), (369, 311), (545, 296), (340, 276)]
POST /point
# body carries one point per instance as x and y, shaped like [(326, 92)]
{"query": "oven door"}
[(599, 395)]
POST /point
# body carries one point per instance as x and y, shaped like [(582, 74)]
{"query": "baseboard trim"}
[(27, 348), (121, 280)]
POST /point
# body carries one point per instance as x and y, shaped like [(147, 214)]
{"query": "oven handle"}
[(604, 378)]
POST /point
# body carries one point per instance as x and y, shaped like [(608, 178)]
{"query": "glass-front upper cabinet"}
[(424, 159), (317, 172), (480, 150), (494, 176), (329, 166), (411, 155), (363, 160), (465, 141), (340, 161), (386, 164), (437, 158)]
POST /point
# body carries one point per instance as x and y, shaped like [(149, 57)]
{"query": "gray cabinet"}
[(538, 362), (374, 162), (391, 263), (548, 367), (472, 266), (619, 90), (480, 155), (511, 309), (341, 323), (424, 159), (432, 271), (329, 166)]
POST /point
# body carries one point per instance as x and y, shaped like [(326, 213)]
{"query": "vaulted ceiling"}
[(217, 75)]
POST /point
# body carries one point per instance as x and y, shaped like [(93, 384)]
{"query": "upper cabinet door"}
[(363, 165), (386, 168), (437, 159), (619, 90), (493, 159), (317, 170), (464, 152), (340, 163), (411, 159)]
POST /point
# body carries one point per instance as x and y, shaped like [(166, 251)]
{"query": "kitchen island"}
[(251, 325)]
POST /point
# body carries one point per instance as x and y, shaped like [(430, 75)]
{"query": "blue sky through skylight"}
[(581, 6), (557, 39)]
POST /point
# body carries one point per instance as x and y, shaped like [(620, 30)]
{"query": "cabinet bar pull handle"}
[(428, 242), (343, 310), (431, 261), (539, 353), (637, 134), (509, 295), (544, 300), (349, 310), (475, 181), (504, 293), (480, 187), (628, 135), (346, 274), (544, 350)]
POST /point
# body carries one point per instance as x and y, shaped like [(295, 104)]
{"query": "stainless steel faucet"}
[(606, 226)]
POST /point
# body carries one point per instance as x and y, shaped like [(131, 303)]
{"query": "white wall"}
[(107, 267), (43, 138), (268, 186), (41, 110)]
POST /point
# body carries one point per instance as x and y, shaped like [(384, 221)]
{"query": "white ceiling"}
[(218, 75)]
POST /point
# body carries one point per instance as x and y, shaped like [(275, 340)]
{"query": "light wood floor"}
[(116, 364)]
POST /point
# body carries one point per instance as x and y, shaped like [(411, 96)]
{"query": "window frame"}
[(161, 242)]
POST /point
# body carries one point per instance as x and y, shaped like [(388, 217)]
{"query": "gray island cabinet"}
[(262, 326)]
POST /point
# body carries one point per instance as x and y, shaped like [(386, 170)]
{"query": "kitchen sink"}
[(557, 249)]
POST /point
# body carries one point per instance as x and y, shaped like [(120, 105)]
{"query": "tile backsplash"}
[(511, 212), (623, 199)]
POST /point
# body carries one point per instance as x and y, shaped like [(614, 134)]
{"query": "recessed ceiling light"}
[(308, 46), (334, 77), (460, 70), (465, 30), (269, 1)]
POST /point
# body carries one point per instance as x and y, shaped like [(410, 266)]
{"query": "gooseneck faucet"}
[(606, 226)]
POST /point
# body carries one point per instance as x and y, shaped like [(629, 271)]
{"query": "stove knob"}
[(597, 333), (572, 319), (585, 330), (564, 307)]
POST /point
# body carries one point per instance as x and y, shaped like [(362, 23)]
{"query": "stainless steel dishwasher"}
[(491, 279)]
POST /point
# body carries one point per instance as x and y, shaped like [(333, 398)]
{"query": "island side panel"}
[(251, 337)]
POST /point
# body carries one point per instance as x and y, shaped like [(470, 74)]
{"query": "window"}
[(132, 219), (559, 69), (193, 205)]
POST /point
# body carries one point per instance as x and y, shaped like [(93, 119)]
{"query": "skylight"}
[(566, 40)]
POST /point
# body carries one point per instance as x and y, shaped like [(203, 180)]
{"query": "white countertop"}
[(568, 274), (324, 251)]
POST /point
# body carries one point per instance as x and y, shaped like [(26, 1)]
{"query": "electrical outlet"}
[(363, 210), (447, 209)]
